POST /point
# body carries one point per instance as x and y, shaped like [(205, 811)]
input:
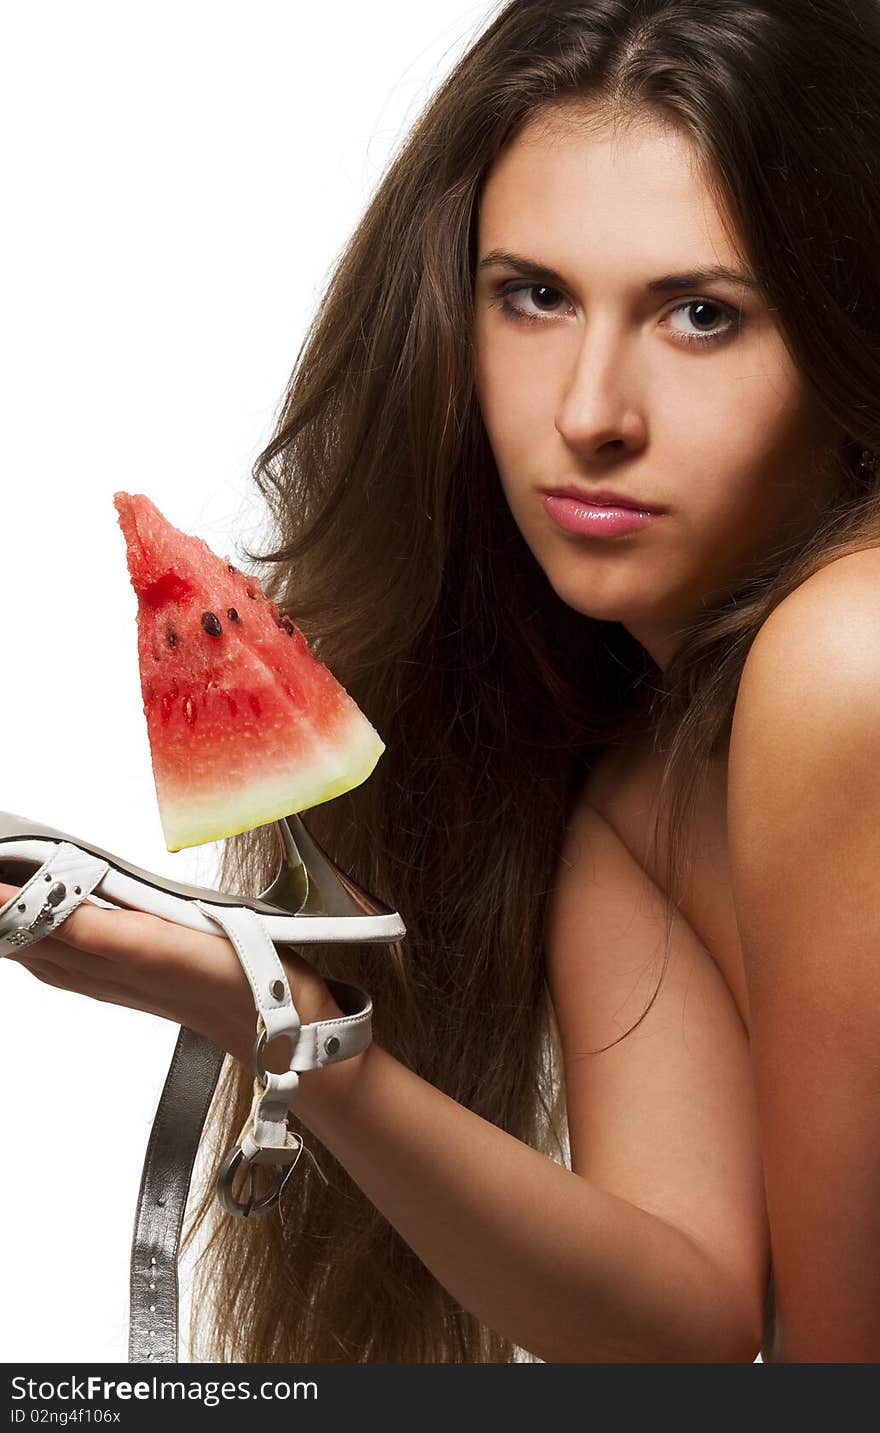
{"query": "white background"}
[(178, 181)]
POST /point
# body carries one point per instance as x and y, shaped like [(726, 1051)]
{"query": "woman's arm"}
[(567, 1271), (804, 819), (650, 1249), (653, 1247)]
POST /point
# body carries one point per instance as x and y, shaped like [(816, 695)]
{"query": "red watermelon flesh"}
[(245, 723)]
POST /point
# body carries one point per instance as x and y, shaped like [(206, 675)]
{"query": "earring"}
[(870, 463)]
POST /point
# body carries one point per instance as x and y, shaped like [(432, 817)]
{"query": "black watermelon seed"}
[(172, 637), (211, 624), (230, 567), (233, 615), (287, 624)]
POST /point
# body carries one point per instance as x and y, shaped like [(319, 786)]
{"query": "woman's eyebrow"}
[(691, 279)]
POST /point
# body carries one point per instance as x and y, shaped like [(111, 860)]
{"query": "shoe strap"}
[(65, 879), (49, 896), (323, 1042)]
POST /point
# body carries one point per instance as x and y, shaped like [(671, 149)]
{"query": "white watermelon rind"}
[(195, 822)]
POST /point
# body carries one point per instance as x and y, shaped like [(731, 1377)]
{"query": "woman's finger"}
[(85, 929), (96, 940), (50, 951), (145, 962)]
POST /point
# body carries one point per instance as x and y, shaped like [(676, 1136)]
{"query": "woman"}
[(525, 305)]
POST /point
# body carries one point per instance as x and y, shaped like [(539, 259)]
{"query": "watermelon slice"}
[(245, 724)]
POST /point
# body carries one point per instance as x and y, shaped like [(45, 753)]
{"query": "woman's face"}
[(680, 395)]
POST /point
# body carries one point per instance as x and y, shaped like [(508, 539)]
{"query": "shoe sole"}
[(319, 902)]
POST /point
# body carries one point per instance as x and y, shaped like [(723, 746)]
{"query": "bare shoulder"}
[(826, 631), (810, 684), (805, 739)]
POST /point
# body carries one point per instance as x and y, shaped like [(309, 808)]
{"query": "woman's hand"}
[(128, 957)]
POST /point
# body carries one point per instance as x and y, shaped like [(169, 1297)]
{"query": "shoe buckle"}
[(283, 1158)]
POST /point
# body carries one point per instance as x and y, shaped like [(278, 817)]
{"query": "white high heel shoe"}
[(310, 900)]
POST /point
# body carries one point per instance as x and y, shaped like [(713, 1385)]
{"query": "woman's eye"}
[(513, 311), (705, 314)]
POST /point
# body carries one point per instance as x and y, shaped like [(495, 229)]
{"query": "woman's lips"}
[(596, 519)]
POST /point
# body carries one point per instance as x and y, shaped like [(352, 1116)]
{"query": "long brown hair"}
[(393, 549)]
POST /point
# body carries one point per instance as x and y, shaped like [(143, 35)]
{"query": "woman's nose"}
[(599, 407)]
